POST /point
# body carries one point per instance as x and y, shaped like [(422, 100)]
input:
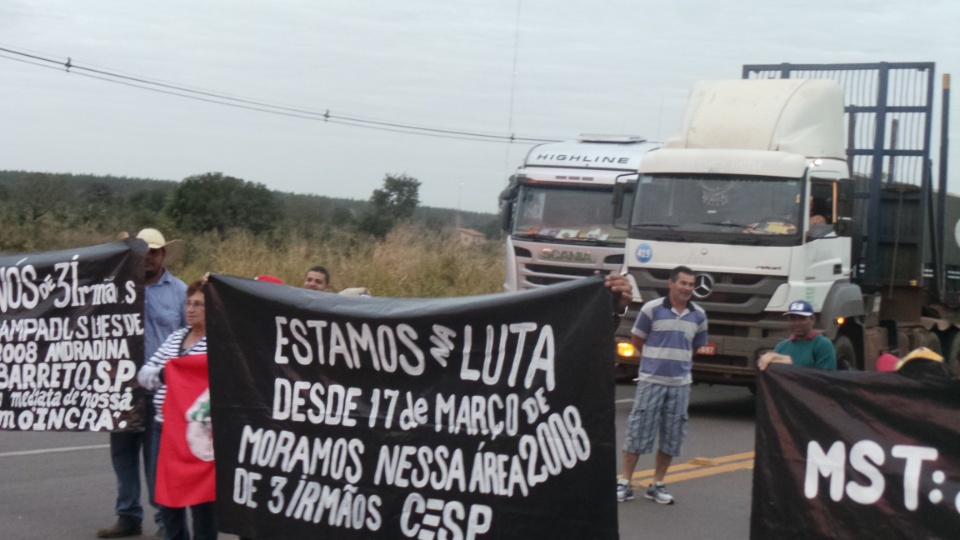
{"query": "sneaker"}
[(125, 526), (657, 492), (624, 491)]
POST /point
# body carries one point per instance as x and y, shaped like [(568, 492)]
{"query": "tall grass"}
[(410, 262), (414, 263)]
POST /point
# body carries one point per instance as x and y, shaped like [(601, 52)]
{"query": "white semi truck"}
[(756, 195), (557, 210)]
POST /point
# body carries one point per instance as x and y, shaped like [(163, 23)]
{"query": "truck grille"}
[(535, 272), (541, 274), (745, 294)]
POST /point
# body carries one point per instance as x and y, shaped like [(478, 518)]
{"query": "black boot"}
[(125, 526)]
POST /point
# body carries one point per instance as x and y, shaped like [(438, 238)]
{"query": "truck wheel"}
[(846, 353)]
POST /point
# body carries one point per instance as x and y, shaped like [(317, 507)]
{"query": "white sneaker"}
[(657, 492)]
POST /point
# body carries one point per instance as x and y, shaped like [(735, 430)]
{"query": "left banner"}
[(71, 338)]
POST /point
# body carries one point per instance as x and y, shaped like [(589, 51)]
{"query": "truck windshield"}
[(568, 214), (688, 205)]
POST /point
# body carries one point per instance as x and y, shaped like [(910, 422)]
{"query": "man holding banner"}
[(804, 347), (163, 313), (667, 331)]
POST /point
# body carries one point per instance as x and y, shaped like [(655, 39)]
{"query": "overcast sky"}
[(580, 67)]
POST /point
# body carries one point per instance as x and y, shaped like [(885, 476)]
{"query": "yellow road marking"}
[(698, 468), (680, 477)]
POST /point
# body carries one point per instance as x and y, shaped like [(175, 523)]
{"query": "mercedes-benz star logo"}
[(702, 285)]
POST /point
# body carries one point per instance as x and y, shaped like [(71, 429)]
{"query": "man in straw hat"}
[(163, 313)]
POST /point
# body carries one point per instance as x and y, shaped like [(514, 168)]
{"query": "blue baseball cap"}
[(800, 307)]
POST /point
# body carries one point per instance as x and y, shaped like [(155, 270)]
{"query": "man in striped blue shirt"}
[(667, 332)]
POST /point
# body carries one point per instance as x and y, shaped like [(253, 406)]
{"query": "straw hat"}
[(924, 365), (922, 353), (155, 240)]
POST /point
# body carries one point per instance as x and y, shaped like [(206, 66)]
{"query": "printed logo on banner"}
[(71, 339), (472, 423), (199, 434)]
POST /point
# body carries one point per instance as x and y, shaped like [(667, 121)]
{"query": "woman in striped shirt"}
[(189, 340)]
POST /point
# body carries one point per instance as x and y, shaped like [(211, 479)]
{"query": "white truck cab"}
[(748, 195), (557, 210)]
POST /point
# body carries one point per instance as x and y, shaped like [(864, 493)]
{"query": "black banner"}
[(71, 339), (488, 417), (855, 455)]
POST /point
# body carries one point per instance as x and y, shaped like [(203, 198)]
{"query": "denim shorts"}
[(662, 408)]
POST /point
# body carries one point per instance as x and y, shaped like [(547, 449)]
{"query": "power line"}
[(121, 72), (256, 105), (238, 106)]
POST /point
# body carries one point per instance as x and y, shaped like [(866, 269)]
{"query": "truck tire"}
[(846, 353), (903, 342)]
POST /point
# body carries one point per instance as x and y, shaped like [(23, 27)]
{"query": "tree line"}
[(35, 204)]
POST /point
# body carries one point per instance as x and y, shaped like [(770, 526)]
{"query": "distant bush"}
[(215, 202)]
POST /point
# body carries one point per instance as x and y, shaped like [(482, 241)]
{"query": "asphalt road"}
[(57, 486), (61, 486), (711, 481)]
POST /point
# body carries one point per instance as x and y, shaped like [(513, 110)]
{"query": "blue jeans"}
[(125, 451), (175, 519)]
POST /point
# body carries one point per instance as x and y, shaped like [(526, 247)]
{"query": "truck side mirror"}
[(843, 226), (623, 203), (846, 196), (506, 215), (508, 199), (623, 195)]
